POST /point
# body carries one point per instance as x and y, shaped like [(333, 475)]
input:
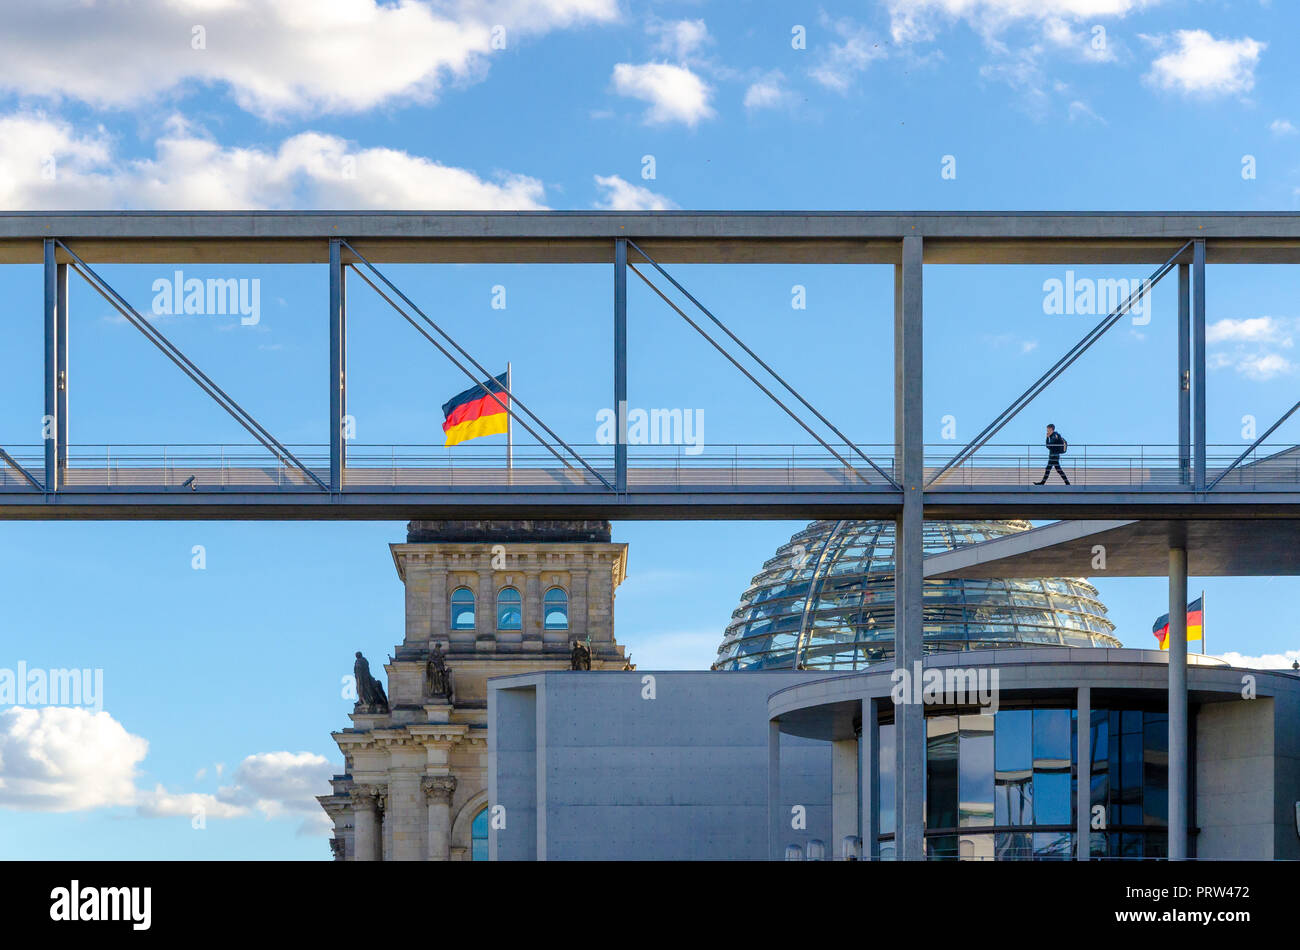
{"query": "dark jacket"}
[(1055, 444)]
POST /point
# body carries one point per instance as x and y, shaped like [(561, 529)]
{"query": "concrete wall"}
[(1234, 780), (512, 773), (1286, 748), (619, 776)]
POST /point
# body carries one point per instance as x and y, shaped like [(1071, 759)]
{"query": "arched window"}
[(555, 609), (510, 614), (462, 609), (478, 836)]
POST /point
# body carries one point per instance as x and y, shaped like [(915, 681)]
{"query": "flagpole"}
[(510, 429), (1203, 649)]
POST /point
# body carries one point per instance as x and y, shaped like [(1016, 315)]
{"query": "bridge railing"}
[(1097, 465), (209, 467), (782, 467)]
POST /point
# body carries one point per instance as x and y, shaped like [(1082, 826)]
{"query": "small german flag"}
[(478, 411), (1195, 624)]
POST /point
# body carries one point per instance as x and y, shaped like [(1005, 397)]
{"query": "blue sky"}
[(221, 685)]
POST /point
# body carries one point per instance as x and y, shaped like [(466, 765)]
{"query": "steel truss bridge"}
[(829, 476), (1232, 509)]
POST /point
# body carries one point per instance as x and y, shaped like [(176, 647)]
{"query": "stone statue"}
[(580, 658), (437, 674), (369, 691)]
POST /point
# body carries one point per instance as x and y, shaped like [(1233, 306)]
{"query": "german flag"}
[(1195, 624), (478, 411)]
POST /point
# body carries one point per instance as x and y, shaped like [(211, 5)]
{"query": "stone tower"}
[(483, 599)]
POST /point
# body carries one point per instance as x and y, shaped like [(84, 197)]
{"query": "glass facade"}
[(826, 601), (1004, 786)]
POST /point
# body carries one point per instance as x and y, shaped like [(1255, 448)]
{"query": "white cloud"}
[(675, 94), (277, 783), (680, 39), (1081, 110), (918, 20), (1199, 64), (768, 93), (1282, 127), (189, 170), (844, 60), (1083, 43), (63, 759), (1252, 346), (161, 803), (620, 195), (1249, 330), (58, 758), (276, 56), (1269, 661)]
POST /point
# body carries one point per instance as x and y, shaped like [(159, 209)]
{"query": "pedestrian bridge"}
[(389, 481)]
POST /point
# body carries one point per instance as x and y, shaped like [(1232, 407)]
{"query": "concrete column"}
[(775, 823), (869, 779), (1177, 704), (909, 718), (367, 843), (1083, 798), (438, 791), (844, 794)]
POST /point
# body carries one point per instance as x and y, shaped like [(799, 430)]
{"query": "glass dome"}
[(826, 601)]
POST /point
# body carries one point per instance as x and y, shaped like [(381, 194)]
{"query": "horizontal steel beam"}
[(670, 236), (718, 504)]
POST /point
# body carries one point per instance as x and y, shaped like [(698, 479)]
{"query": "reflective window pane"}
[(941, 773), (975, 771)]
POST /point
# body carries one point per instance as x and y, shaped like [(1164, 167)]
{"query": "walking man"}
[(1056, 447)]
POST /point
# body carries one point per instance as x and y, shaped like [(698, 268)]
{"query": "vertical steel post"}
[(1184, 375), (1198, 364), (909, 718), (1083, 755), (50, 422), (1178, 704), (61, 362), (869, 779), (620, 364), (338, 365)]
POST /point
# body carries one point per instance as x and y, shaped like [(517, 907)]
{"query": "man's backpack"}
[(1065, 446)]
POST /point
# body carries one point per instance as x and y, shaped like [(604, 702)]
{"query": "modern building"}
[(787, 746)]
